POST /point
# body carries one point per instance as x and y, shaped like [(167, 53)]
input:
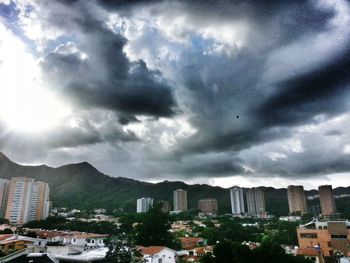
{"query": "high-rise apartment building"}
[(256, 202), (27, 200), (208, 206), (4, 191), (180, 200), (327, 200), (144, 204), (19, 200), (296, 199), (40, 203), (237, 201)]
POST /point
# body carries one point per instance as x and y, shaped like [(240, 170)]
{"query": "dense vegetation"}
[(234, 252), (59, 223)]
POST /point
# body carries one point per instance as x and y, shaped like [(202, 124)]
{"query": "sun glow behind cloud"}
[(25, 105)]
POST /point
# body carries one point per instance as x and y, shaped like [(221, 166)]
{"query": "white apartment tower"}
[(180, 200), (144, 204), (237, 201)]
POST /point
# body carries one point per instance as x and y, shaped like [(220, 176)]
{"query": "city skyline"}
[(203, 92)]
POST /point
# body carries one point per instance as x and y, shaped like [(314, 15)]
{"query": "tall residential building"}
[(237, 201), (208, 206), (27, 200), (4, 191), (144, 204), (255, 202), (327, 200), (40, 203), (180, 200), (19, 200), (296, 199)]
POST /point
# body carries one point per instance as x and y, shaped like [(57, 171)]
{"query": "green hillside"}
[(82, 186)]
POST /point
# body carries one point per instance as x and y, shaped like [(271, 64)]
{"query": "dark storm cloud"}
[(307, 165), (106, 78), (86, 134), (231, 87), (125, 4), (247, 77), (322, 91), (217, 167)]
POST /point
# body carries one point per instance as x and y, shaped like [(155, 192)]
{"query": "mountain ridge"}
[(81, 185)]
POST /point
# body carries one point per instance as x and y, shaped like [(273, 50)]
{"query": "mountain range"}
[(82, 186)]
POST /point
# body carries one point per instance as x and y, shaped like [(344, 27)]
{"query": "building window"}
[(339, 236), (308, 235)]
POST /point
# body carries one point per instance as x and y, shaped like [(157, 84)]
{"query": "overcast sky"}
[(219, 92)]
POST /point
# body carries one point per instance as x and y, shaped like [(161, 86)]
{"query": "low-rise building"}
[(159, 254), (314, 254), (328, 236), (189, 243), (12, 245), (89, 240), (96, 255)]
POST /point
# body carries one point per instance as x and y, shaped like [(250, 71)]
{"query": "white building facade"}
[(237, 200), (144, 204), (158, 254)]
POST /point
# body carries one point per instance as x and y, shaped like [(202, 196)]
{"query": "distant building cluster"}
[(207, 206), (23, 199), (297, 201), (250, 202)]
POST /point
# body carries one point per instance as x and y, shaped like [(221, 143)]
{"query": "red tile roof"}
[(191, 239), (151, 250), (90, 235), (5, 236)]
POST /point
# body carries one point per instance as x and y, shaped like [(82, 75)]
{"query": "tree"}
[(207, 258), (154, 230), (223, 252), (121, 250), (6, 231)]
